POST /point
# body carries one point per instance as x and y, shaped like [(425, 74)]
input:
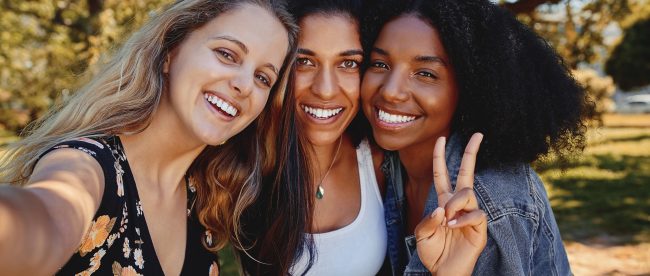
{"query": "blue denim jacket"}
[(523, 237)]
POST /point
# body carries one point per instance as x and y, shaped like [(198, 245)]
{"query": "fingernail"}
[(452, 222)]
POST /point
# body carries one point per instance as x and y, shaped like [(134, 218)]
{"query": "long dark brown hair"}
[(269, 216)]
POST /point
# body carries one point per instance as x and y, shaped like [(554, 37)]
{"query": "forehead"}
[(409, 34), (257, 28), (329, 32)]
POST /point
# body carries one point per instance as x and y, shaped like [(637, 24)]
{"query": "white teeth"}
[(393, 118), (320, 113), (221, 104)]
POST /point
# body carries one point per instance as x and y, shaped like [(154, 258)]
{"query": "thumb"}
[(429, 225)]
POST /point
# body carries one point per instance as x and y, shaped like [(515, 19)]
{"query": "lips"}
[(221, 105)]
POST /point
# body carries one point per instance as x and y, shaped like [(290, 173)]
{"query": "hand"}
[(450, 240)]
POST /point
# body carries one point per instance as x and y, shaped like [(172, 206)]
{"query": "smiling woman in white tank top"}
[(348, 229), (347, 235)]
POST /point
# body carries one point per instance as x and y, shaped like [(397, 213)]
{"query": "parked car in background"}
[(634, 104)]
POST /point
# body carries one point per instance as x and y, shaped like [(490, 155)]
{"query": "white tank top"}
[(358, 248)]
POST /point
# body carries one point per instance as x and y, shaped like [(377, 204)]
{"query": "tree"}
[(46, 45), (629, 63), (573, 27)]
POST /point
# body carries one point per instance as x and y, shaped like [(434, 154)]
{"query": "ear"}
[(166, 64)]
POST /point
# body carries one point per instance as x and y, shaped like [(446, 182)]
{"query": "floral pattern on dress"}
[(95, 262), (126, 248), (137, 256), (214, 269), (118, 270), (97, 234), (118, 241)]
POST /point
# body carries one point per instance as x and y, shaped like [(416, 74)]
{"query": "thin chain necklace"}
[(320, 192)]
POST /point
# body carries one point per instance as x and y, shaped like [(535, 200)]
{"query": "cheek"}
[(369, 87), (303, 82), (259, 103), (351, 86)]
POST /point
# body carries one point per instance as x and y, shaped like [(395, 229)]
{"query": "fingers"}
[(440, 174), (476, 219), (428, 226), (466, 172), (463, 200)]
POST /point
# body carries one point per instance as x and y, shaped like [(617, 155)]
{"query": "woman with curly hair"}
[(443, 70), (183, 126)]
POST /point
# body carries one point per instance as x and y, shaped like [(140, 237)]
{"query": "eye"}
[(304, 62), (380, 65), (427, 74), (349, 64), (226, 54), (264, 79)]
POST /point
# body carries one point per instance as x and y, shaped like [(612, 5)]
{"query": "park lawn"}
[(603, 196)]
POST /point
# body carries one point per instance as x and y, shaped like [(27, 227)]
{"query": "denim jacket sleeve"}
[(523, 237)]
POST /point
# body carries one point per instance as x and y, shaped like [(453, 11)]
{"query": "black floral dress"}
[(118, 241)]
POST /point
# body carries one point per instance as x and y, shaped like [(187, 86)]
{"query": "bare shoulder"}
[(69, 166)]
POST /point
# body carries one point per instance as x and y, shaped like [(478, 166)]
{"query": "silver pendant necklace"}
[(320, 191)]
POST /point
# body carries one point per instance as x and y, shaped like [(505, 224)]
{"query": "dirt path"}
[(609, 260)]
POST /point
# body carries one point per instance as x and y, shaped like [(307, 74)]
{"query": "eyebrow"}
[(354, 52), (432, 59), (233, 40), (380, 51), (346, 53), (270, 66), (245, 49)]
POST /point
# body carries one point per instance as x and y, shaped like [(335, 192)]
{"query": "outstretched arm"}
[(44, 222)]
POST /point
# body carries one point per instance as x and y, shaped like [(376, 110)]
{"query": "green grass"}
[(603, 195)]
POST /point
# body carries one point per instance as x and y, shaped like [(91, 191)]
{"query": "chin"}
[(389, 142), (321, 139)]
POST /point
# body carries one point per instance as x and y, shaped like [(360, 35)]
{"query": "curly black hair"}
[(513, 87)]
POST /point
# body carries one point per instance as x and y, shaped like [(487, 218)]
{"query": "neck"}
[(323, 156), (418, 161), (160, 155)]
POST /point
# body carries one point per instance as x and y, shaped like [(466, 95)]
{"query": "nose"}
[(394, 87), (243, 82), (325, 83)]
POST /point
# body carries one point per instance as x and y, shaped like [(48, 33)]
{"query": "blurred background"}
[(601, 200)]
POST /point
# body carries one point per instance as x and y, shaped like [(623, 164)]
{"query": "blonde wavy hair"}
[(124, 95)]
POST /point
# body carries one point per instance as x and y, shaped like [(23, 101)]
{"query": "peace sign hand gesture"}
[(450, 240)]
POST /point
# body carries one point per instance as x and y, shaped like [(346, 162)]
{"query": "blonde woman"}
[(173, 130)]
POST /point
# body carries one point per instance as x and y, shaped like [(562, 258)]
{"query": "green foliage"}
[(575, 28), (45, 45), (629, 63)]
